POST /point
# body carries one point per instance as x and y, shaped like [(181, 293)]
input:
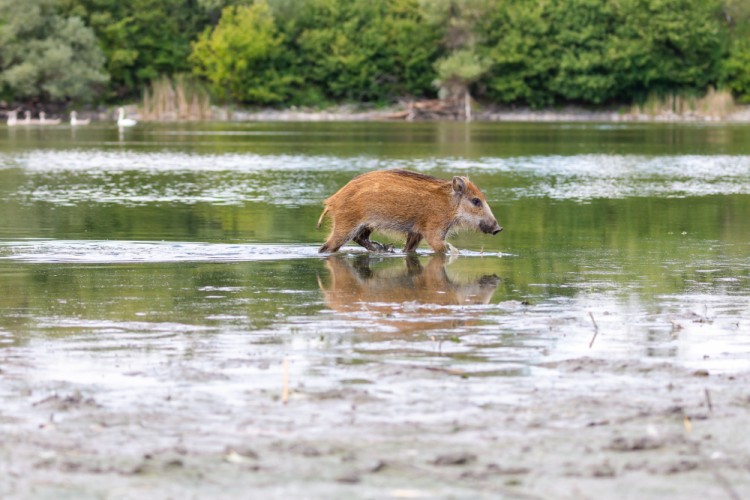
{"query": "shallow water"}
[(174, 258)]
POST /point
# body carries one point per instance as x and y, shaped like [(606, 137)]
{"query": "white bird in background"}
[(122, 121), (74, 121), (44, 121), (12, 118)]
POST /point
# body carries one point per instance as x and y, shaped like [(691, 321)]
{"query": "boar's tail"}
[(320, 221)]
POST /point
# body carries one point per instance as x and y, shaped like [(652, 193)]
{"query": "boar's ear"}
[(459, 185)]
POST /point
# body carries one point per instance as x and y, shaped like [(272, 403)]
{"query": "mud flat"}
[(580, 428)]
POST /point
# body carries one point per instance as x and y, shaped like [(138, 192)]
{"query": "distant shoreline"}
[(395, 114), (568, 114)]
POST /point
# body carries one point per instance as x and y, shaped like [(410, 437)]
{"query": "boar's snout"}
[(492, 228)]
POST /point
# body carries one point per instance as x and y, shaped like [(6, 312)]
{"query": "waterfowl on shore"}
[(27, 118), (122, 121), (13, 118), (44, 121), (74, 121)]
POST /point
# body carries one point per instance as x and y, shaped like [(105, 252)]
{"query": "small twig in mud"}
[(708, 401), (439, 345), (596, 329), (687, 424), (285, 381), (449, 371)]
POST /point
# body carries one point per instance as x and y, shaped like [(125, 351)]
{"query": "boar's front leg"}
[(437, 241), (363, 239)]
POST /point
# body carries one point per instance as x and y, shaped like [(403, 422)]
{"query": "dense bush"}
[(243, 56), (45, 56), (361, 50), (736, 67), (594, 51), (141, 39)]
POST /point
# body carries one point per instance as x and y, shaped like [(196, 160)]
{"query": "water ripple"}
[(127, 177), (111, 252)]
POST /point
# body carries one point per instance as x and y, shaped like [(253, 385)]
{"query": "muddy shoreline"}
[(581, 428)]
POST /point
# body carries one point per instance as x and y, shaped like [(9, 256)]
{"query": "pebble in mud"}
[(457, 458)]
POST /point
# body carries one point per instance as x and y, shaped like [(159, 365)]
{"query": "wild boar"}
[(401, 201)]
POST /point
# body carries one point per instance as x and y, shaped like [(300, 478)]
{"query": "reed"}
[(714, 104), (179, 99)]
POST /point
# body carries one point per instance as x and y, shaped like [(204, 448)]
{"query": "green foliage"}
[(517, 38), (527, 52), (45, 56), (736, 67), (363, 50), (142, 39), (736, 70), (243, 56), (595, 51), (459, 69), (667, 45), (581, 33), (461, 65)]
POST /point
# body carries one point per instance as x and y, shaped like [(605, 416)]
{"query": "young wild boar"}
[(421, 206)]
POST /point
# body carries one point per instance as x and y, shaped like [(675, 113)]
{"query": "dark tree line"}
[(314, 52)]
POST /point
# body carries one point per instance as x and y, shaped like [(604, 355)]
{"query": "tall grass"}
[(176, 100), (714, 104)]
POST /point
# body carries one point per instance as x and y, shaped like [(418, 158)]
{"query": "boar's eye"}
[(477, 202)]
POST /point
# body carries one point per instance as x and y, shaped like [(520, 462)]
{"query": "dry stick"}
[(596, 329), (708, 400), (285, 381)]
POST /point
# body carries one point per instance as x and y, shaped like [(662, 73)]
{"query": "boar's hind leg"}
[(412, 242), (335, 241), (363, 239)]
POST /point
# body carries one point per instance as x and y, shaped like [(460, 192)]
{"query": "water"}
[(182, 259)]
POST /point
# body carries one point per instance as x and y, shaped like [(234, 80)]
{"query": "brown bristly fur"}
[(418, 205)]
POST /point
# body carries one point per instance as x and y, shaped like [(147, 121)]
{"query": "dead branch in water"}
[(285, 381), (596, 329), (708, 401)]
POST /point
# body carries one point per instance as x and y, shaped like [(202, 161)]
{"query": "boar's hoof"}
[(379, 247)]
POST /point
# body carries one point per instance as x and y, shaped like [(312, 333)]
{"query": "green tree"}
[(45, 56), (736, 67), (580, 31), (667, 46), (142, 39), (458, 70), (363, 50), (243, 56), (517, 40), (598, 51), (462, 64)]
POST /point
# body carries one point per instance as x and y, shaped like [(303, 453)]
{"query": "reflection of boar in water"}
[(413, 290), (418, 205)]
